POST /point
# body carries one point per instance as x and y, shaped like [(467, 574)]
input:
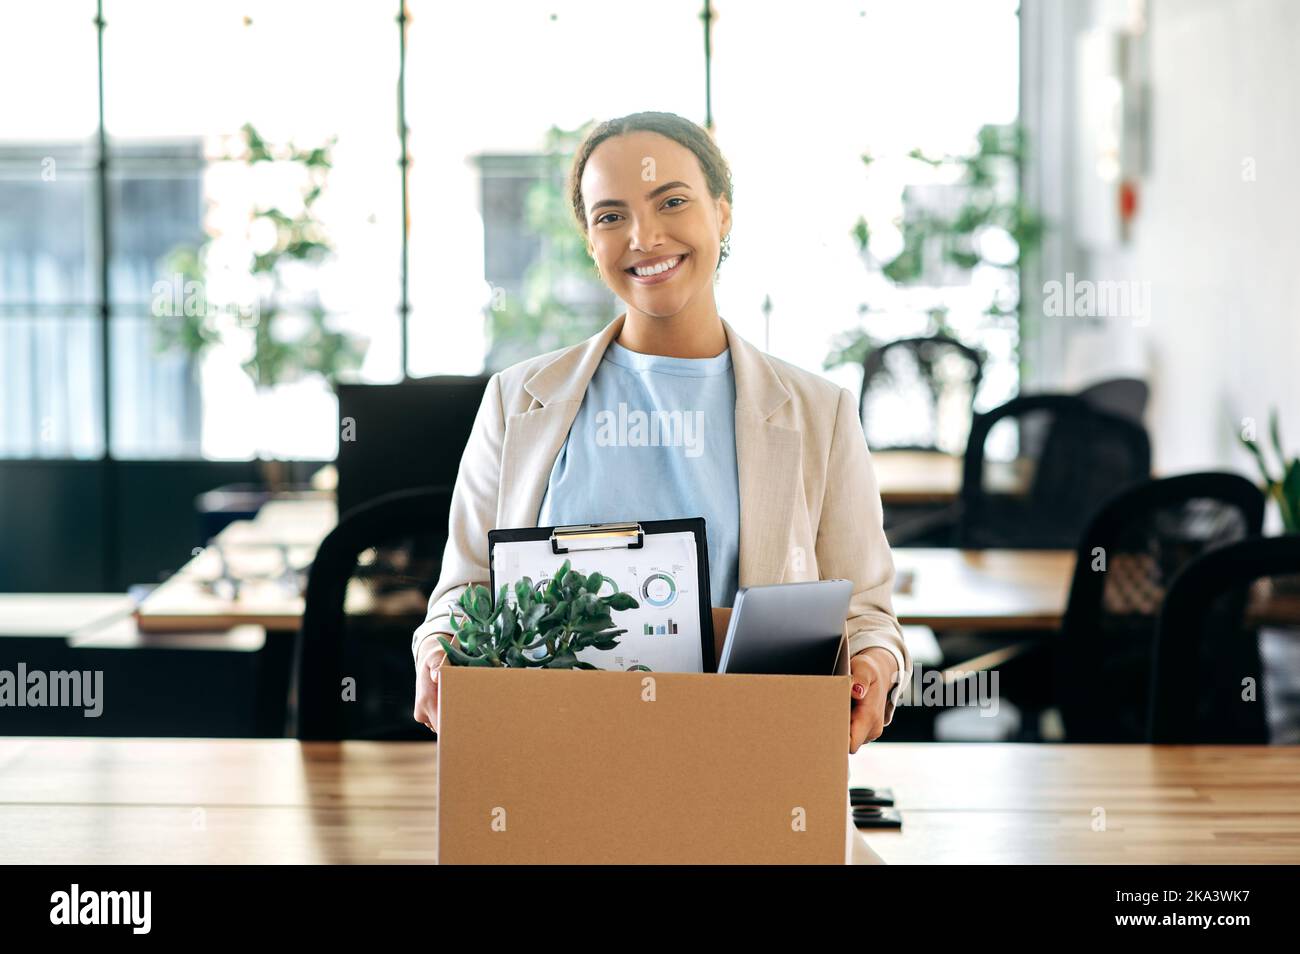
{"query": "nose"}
[(645, 233)]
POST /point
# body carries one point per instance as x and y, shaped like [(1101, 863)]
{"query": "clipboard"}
[(651, 560)]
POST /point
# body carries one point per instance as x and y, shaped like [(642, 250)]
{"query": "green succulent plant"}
[(1285, 488), (542, 628)]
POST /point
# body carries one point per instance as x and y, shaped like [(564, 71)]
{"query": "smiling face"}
[(652, 227)]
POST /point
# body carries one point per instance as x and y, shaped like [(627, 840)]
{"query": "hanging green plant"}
[(541, 628)]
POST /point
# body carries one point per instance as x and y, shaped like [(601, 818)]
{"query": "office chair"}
[(1228, 613), (936, 377), (1069, 457), (1132, 548), (367, 591), (918, 394), (1126, 397)]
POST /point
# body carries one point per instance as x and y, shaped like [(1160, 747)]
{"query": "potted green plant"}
[(946, 239), (542, 627), (286, 338), (1285, 488)]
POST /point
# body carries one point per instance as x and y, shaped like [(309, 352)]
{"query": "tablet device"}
[(789, 628)]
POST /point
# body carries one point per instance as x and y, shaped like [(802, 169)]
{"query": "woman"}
[(772, 456)]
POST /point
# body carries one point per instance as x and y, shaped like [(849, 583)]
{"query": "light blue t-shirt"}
[(655, 439)]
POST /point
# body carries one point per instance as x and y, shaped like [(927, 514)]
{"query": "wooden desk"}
[(283, 530), (60, 615), (932, 477), (1038, 804), (107, 621), (87, 801), (917, 477), (997, 589), (982, 589)]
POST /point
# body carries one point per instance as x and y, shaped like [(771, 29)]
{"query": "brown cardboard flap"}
[(842, 659), (553, 766)]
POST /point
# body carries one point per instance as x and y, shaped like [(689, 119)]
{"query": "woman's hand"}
[(426, 686), (874, 671)]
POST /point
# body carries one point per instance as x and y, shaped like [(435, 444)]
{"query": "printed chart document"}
[(663, 632)]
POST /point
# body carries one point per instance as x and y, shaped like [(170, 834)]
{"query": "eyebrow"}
[(649, 195)]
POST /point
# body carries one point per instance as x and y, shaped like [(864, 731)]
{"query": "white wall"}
[(1222, 253)]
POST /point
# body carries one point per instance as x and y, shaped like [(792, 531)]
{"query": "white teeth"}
[(657, 269)]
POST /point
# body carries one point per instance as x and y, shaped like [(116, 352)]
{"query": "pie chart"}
[(659, 589)]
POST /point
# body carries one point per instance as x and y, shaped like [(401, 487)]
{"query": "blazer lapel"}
[(768, 458), (534, 437)]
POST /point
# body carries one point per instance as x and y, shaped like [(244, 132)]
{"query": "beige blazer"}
[(809, 505)]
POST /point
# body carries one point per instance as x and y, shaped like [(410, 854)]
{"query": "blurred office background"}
[(229, 231)]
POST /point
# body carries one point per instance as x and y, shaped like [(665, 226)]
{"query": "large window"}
[(50, 346), (185, 88), (490, 93), (211, 114), (800, 96)]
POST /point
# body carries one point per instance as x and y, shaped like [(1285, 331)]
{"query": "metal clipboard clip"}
[(597, 536)]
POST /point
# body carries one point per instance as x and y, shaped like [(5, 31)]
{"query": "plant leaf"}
[(457, 657), (1275, 433), (533, 617), (592, 625), (476, 607), (621, 601), (1289, 496)]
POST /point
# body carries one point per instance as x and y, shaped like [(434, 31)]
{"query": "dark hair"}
[(717, 174)]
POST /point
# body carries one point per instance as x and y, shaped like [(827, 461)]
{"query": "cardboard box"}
[(582, 767)]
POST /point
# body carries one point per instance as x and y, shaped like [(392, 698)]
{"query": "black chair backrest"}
[(1226, 614), (1133, 547), (385, 555), (1126, 397), (931, 381), (1069, 458)]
